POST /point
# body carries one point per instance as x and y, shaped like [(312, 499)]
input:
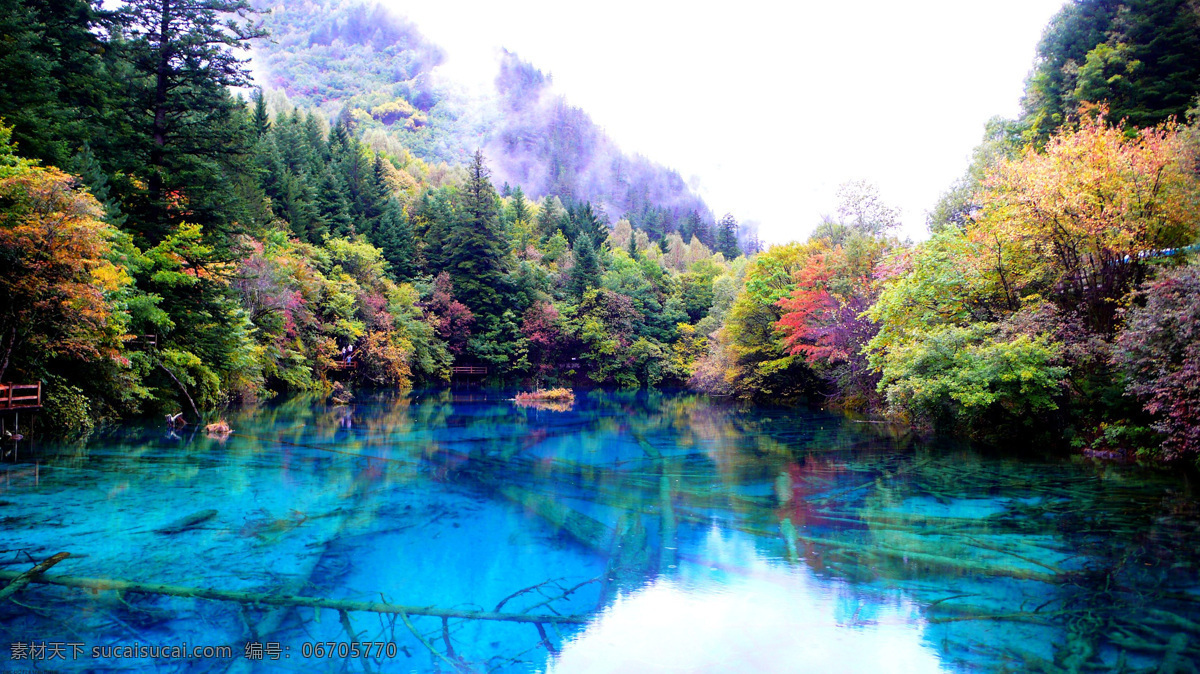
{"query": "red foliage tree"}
[(454, 319), (541, 326), (829, 328), (806, 321), (1159, 350)]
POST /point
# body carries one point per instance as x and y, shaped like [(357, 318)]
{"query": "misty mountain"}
[(373, 70), (550, 147)]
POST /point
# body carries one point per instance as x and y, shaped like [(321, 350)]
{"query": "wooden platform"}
[(20, 397), (468, 369)]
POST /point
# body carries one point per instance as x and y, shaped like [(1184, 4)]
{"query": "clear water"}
[(686, 534)]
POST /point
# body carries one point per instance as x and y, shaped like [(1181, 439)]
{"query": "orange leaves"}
[(805, 311), (55, 276), (1094, 204), (1098, 189)]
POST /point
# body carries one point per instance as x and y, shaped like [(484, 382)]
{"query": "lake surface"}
[(664, 533)]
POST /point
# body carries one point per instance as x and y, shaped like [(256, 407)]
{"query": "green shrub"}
[(965, 377), (68, 412)]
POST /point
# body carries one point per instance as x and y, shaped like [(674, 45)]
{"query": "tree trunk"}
[(162, 80), (183, 390), (12, 340)]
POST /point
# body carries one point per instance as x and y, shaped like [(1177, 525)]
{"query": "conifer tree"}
[(474, 251), (299, 209), (186, 49), (394, 236), (588, 223), (549, 218), (727, 231), (269, 163), (332, 206), (55, 87), (262, 121), (432, 219), (313, 131), (585, 275), (85, 165), (520, 205)]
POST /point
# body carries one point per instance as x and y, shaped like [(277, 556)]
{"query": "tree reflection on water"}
[(688, 534)]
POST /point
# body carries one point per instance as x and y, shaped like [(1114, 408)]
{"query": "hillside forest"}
[(179, 232)]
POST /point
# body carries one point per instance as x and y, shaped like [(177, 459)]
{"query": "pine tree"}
[(186, 49), (549, 218), (290, 141), (474, 251), (588, 223), (262, 121), (339, 141), (520, 205), (432, 219), (313, 131), (585, 275), (269, 163), (299, 209), (85, 165), (394, 236), (727, 231), (332, 206), (55, 85)]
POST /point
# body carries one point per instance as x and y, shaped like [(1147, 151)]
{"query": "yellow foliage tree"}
[(55, 276), (1092, 208)]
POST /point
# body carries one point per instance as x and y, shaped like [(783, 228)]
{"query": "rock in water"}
[(189, 522)]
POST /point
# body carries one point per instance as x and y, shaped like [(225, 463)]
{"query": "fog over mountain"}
[(372, 68)]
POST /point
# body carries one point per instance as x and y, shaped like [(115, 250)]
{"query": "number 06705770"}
[(352, 649)]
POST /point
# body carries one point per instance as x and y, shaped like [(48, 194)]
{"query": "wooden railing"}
[(20, 396), (468, 369), (144, 342)]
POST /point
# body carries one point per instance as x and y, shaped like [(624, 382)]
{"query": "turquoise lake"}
[(630, 532)]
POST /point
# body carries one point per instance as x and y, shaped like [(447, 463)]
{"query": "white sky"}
[(766, 107)]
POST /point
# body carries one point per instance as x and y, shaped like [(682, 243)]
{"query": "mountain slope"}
[(375, 71)]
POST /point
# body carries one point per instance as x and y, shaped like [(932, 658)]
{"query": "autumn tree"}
[(1159, 353), (452, 319), (1096, 205), (56, 279)]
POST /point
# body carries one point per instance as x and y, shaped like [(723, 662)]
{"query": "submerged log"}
[(586, 530), (263, 599), (791, 538), (935, 560), (190, 522), (23, 579)]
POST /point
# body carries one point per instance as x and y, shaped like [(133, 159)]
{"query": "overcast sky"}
[(766, 107)]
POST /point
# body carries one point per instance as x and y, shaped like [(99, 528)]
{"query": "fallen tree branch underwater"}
[(255, 598), (20, 580)]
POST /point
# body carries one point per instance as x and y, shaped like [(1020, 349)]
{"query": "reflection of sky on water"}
[(729, 608)]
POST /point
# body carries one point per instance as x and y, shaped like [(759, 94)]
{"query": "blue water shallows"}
[(632, 532)]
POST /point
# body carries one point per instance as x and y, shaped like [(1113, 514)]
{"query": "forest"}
[(178, 233)]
